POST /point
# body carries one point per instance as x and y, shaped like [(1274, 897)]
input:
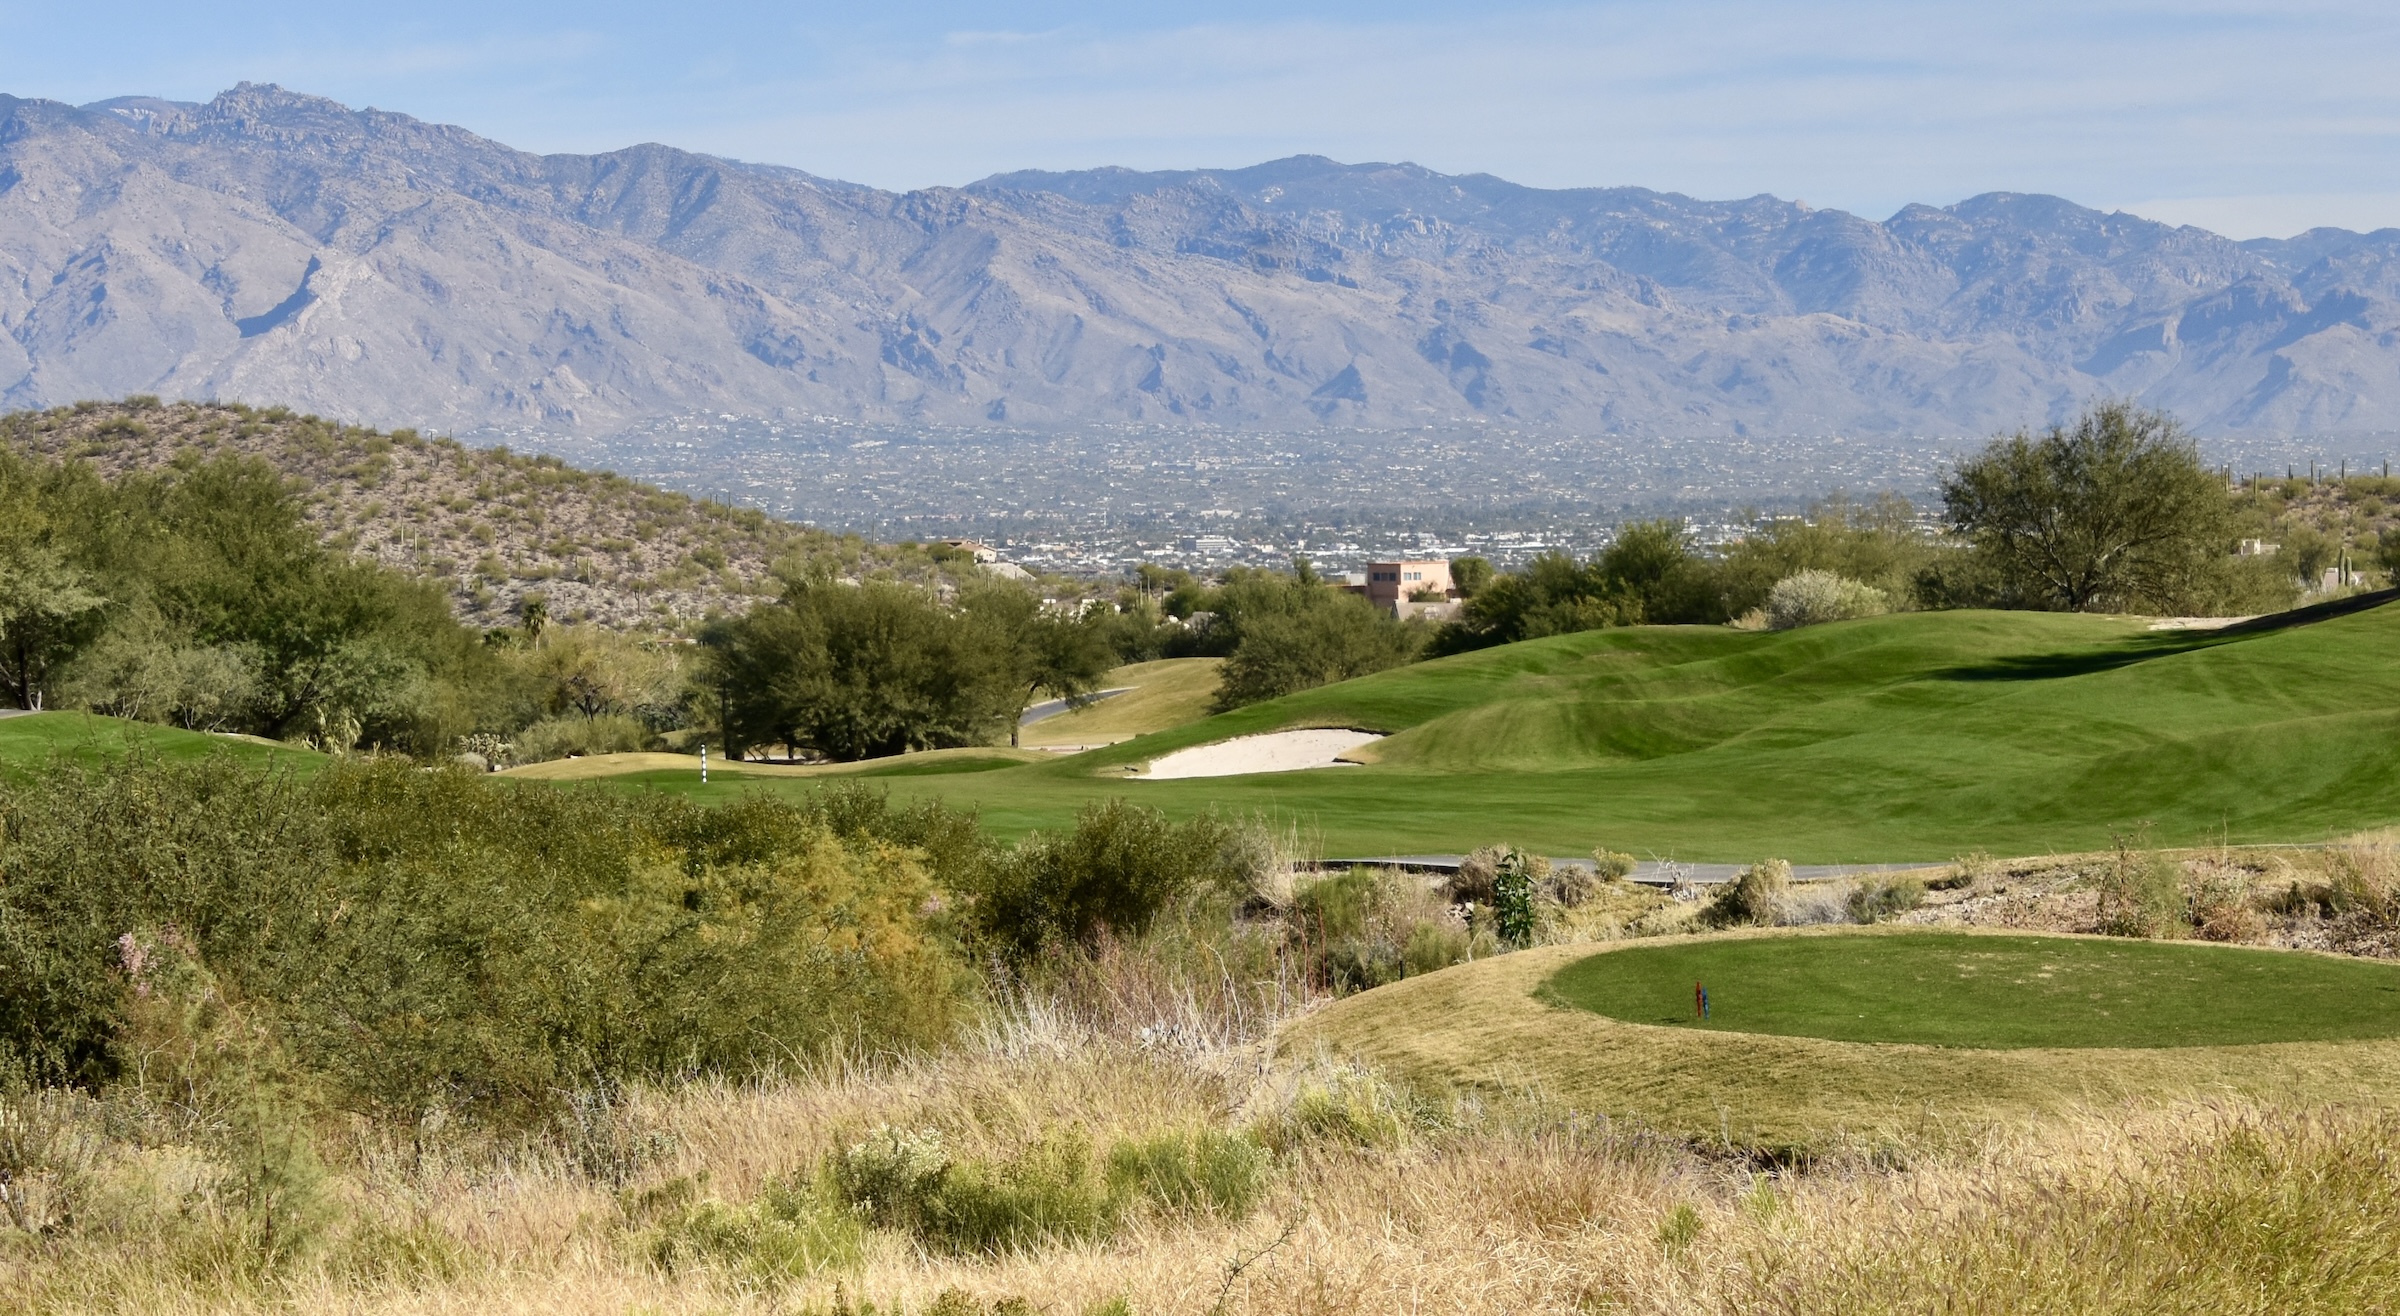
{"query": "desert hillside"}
[(498, 528)]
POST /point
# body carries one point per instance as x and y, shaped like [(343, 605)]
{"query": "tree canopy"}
[(2113, 513)]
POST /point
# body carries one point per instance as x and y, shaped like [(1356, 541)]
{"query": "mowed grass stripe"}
[(1890, 738), (1960, 990)]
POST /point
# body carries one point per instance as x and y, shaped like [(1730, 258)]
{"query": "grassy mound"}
[(1957, 989), (1495, 1024), (30, 741), (1909, 737), (1161, 695)]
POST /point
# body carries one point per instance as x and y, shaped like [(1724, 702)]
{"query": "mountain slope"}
[(493, 527), (380, 269)]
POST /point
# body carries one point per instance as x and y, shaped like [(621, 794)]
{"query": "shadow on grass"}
[(2160, 644)]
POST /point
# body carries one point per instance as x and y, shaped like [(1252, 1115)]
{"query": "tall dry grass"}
[(1381, 1200)]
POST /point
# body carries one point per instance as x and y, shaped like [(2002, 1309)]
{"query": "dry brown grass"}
[(1514, 1205), (1459, 1176)]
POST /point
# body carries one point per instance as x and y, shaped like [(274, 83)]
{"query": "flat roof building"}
[(1390, 584)]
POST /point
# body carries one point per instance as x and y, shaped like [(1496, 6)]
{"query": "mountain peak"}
[(272, 244)]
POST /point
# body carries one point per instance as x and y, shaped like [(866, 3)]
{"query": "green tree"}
[(1650, 573), (1470, 574), (857, 671), (1876, 543), (1290, 636), (2114, 512), (1040, 650), (48, 606)]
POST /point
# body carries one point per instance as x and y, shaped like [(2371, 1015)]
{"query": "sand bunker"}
[(1277, 751)]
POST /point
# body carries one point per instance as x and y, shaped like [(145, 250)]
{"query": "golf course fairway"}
[(1910, 737), (1932, 1061)]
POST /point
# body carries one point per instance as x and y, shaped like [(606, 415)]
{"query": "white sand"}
[(1277, 751), (2198, 623)]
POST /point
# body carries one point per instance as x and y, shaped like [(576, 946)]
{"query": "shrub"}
[(1371, 926), (890, 1175), (1751, 898), (789, 1233), (2141, 894), (1968, 870), (422, 940), (1191, 1172), (1049, 1192), (1610, 866), (1113, 874), (1875, 899), (1512, 897), (566, 737), (1433, 944), (1351, 1107), (1810, 597)]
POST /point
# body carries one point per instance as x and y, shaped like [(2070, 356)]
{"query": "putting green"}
[(1999, 992), (1507, 1024)]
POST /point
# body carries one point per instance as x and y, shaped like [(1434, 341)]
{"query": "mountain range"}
[(277, 247)]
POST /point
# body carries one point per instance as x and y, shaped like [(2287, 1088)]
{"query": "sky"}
[(2252, 119)]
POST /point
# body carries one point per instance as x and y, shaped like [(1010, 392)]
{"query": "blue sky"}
[(2250, 118)]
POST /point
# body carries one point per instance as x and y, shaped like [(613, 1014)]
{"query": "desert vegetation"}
[(492, 529), (388, 1039)]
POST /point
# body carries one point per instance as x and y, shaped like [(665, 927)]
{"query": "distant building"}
[(1211, 544), (980, 552), (1396, 588)]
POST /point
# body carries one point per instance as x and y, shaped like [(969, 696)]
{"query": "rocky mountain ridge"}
[(278, 247)]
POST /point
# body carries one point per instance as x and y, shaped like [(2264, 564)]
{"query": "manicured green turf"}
[(1911, 737), (2004, 992), (36, 740)]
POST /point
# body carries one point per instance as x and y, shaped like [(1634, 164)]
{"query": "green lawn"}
[(1501, 1023), (1911, 737), (36, 740), (2006, 992)]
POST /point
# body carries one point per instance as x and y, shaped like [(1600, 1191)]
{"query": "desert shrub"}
[(1112, 875), (1874, 899), (1513, 890), (1966, 871), (2222, 905), (428, 940), (566, 737), (2141, 893), (1433, 944), (1472, 881), (890, 1175), (1610, 866), (50, 1140), (1751, 898), (1810, 597), (1347, 1107), (1364, 927), (1191, 1172), (2360, 884), (1049, 1192), (790, 1232)]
